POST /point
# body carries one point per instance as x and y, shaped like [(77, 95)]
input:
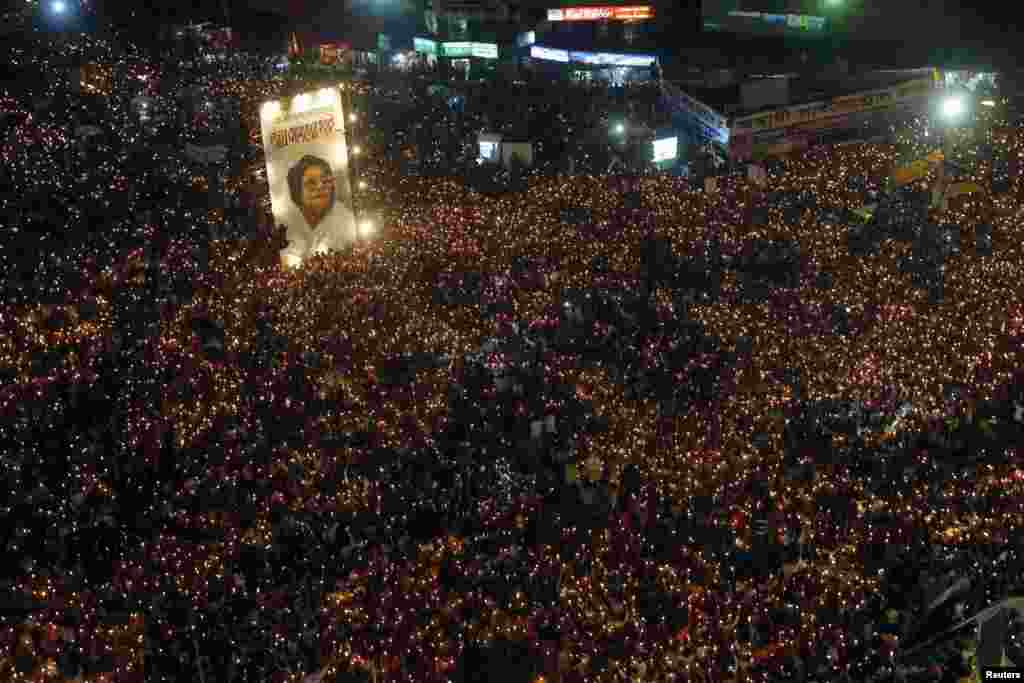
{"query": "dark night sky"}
[(925, 24), (912, 20)]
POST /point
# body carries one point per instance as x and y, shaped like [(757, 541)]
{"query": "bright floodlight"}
[(953, 107), (271, 109), (366, 228), (620, 128), (58, 7)]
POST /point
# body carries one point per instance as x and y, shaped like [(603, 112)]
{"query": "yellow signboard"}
[(911, 172), (957, 189)]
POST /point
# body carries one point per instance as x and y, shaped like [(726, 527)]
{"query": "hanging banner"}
[(753, 136), (307, 171)]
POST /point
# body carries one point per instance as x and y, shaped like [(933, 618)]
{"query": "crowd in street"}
[(589, 428)]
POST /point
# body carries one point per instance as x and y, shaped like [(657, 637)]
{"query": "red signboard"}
[(633, 13)]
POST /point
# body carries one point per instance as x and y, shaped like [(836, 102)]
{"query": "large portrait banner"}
[(308, 174)]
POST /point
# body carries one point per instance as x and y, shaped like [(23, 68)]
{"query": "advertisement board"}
[(490, 147), (795, 126), (307, 172), (607, 13), (666, 149), (611, 59), (484, 50), (762, 17), (424, 46), (523, 150), (469, 49), (549, 54)]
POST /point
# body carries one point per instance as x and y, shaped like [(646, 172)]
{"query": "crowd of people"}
[(598, 428)]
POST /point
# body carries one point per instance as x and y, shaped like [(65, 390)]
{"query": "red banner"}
[(633, 13)]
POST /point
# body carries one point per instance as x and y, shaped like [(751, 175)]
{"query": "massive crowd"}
[(596, 429)]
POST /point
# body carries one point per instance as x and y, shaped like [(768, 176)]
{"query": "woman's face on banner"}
[(316, 189)]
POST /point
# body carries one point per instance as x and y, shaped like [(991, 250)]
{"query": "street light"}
[(953, 108)]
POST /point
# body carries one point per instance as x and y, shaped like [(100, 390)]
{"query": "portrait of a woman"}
[(311, 187)]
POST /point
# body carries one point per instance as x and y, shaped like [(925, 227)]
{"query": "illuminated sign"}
[(490, 147), (795, 22), (425, 46), (634, 13), (459, 49), (610, 59), (666, 149), (469, 49), (549, 54), (484, 50)]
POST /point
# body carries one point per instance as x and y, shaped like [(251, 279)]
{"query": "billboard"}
[(424, 46), (549, 54), (611, 59), (608, 13), (469, 49), (763, 134), (762, 17), (490, 147), (307, 172), (666, 149), (523, 150)]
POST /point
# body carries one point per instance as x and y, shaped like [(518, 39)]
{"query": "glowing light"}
[(352, 117), (988, 103), (59, 7), (357, 150), (953, 107), (271, 109), (366, 228)]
